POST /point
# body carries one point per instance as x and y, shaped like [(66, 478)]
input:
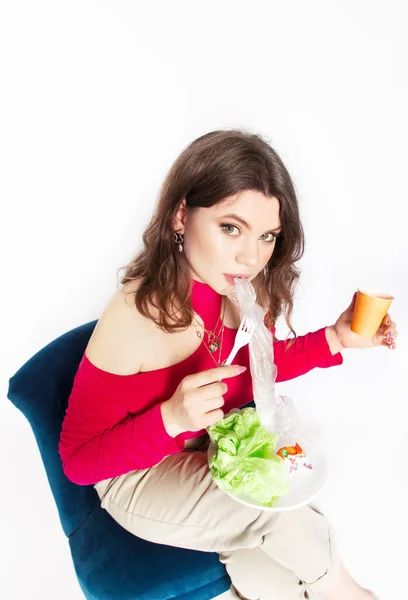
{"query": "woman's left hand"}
[(385, 336)]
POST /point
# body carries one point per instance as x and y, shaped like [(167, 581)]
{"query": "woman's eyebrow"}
[(245, 224)]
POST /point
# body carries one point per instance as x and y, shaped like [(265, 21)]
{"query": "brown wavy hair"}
[(213, 167)]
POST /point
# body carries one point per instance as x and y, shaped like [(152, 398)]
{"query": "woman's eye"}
[(229, 229), (269, 237)]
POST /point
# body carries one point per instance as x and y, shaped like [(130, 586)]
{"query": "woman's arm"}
[(306, 353), (100, 438)]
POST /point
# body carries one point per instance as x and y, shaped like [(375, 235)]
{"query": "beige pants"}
[(268, 555)]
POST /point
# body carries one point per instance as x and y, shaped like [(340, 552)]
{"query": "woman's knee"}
[(255, 575)]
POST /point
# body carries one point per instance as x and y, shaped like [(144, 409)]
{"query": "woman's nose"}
[(248, 255)]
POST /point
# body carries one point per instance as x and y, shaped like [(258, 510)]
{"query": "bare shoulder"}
[(117, 343)]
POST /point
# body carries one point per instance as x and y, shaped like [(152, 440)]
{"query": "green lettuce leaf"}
[(245, 462)]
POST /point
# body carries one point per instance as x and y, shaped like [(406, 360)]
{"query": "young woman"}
[(151, 380)]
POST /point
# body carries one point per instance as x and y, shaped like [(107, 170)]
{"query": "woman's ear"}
[(179, 221)]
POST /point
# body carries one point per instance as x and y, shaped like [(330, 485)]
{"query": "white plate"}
[(304, 485)]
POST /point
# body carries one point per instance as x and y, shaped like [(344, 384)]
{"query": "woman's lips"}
[(231, 279)]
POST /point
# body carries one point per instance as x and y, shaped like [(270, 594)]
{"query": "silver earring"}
[(179, 239), (265, 270)]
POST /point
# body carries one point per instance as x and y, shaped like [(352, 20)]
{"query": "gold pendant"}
[(214, 345)]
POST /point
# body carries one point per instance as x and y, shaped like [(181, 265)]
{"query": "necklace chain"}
[(214, 341)]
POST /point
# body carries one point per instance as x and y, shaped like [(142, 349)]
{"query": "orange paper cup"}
[(369, 311)]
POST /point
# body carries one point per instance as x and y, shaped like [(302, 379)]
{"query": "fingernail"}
[(239, 370)]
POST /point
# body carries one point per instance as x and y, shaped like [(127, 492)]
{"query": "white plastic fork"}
[(243, 337)]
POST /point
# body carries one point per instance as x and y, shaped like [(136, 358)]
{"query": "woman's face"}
[(234, 237)]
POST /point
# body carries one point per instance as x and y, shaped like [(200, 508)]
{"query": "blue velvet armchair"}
[(110, 563)]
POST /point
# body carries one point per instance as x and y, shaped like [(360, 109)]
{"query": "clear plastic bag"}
[(277, 413)]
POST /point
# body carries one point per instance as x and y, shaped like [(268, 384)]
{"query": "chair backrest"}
[(40, 389)]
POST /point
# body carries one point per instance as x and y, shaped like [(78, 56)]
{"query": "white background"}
[(97, 100)]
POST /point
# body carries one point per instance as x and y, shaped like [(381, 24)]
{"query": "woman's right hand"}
[(196, 403)]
